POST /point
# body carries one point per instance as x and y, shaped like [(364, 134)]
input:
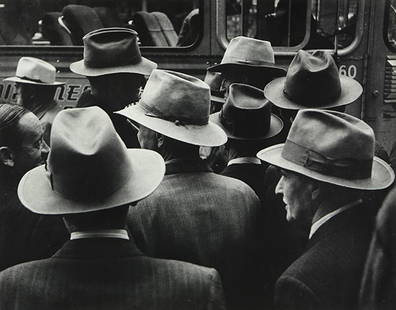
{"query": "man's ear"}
[(7, 156), (160, 140)]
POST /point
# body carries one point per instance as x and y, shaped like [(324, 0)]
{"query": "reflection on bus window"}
[(64, 22), (391, 25), (284, 22)]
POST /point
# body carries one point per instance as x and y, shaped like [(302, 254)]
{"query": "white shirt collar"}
[(102, 233), (315, 226), (245, 160)]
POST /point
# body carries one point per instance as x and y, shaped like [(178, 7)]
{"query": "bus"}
[(191, 35)]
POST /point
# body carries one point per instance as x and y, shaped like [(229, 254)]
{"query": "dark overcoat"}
[(201, 217), (328, 274), (108, 274)]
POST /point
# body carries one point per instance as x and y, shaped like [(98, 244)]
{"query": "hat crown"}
[(247, 50), (87, 159), (176, 97), (35, 70), (332, 143), (111, 47), (246, 113), (312, 79)]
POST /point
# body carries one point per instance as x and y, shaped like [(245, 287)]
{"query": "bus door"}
[(337, 26), (381, 72)]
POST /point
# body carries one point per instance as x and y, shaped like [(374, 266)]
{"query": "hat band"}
[(346, 168), (178, 120), (33, 80), (312, 98)]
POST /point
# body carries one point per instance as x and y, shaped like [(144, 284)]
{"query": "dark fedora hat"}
[(246, 114), (331, 147), (177, 105), (248, 53), (312, 81), (112, 50), (214, 80), (89, 168)]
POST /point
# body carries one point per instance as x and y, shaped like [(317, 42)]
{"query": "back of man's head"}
[(10, 116)]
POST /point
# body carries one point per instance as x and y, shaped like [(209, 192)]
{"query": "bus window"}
[(390, 25), (173, 23), (309, 24)]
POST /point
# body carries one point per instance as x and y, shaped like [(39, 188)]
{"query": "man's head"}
[(34, 97), (312, 81), (21, 140), (89, 168), (176, 107), (333, 149), (247, 61), (247, 120), (169, 148), (118, 89)]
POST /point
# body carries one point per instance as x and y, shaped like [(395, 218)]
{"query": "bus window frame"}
[(386, 26), (221, 31), (76, 50)]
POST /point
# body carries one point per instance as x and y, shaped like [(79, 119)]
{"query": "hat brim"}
[(270, 69), (20, 80), (148, 169), (276, 126), (205, 135), (350, 91), (217, 99), (382, 175), (144, 67)]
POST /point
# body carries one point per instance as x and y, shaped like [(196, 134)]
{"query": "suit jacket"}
[(327, 275), (198, 216), (108, 274), (251, 174), (379, 278), (24, 235)]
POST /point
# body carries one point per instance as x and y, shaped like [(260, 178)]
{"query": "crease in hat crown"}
[(33, 70), (112, 50), (89, 168), (249, 52), (74, 160), (175, 96), (312, 81), (177, 105), (332, 147)]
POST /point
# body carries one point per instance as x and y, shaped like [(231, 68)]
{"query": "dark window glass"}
[(64, 22)]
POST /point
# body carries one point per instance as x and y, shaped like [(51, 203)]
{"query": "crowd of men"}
[(252, 189)]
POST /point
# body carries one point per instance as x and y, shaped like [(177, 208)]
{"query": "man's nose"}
[(279, 186)]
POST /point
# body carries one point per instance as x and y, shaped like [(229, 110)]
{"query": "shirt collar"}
[(100, 233), (315, 226), (244, 160)]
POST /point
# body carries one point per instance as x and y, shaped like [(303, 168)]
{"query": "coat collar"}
[(361, 215), (180, 165), (98, 248)]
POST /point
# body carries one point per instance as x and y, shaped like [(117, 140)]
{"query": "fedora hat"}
[(246, 115), (89, 168), (214, 80), (177, 105), (35, 71), (249, 53), (331, 147), (312, 81), (112, 50)]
